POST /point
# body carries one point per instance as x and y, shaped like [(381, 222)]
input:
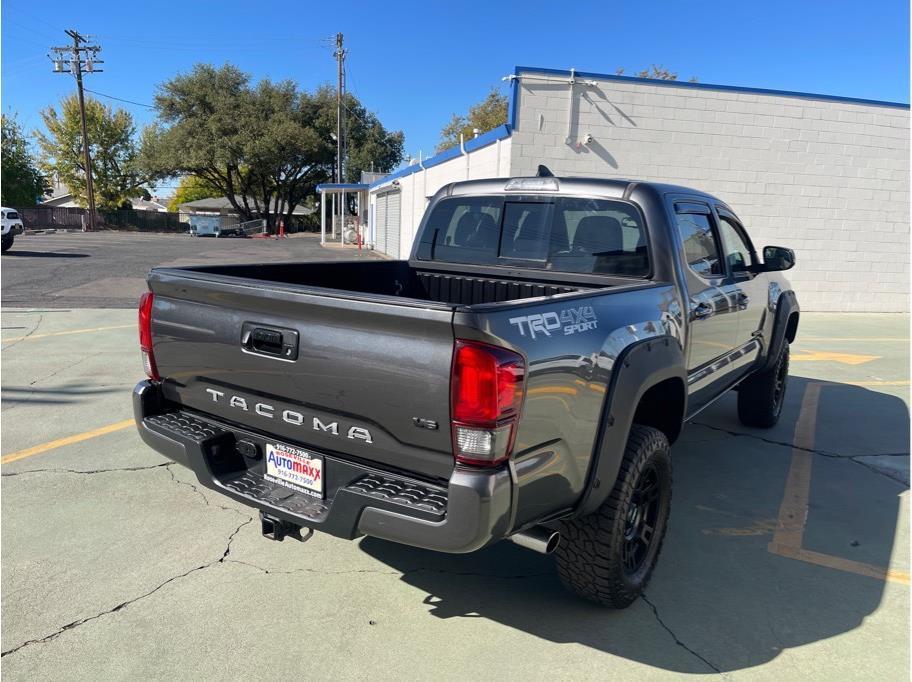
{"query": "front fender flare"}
[(786, 305)]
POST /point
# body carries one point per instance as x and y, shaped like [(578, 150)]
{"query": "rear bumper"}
[(14, 230), (472, 511)]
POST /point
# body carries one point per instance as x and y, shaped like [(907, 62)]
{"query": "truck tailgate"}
[(365, 369)]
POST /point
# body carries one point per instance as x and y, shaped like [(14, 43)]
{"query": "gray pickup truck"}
[(520, 377)]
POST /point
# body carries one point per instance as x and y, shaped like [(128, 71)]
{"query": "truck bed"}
[(391, 278), (371, 345)]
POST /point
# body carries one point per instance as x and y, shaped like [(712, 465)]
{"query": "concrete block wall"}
[(418, 187), (827, 178)]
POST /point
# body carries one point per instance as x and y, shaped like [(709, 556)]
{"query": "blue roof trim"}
[(705, 86), (490, 137), (342, 185)]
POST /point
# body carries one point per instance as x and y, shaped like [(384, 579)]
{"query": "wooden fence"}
[(50, 217)]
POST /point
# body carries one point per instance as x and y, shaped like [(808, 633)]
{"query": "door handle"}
[(743, 300), (701, 310), (265, 341), (270, 341)]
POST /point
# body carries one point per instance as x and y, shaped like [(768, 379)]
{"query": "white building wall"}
[(418, 187), (827, 178)]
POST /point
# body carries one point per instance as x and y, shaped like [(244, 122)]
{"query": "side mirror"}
[(776, 258)]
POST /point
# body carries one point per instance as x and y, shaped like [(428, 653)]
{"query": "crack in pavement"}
[(87, 471), (79, 361), (129, 602), (813, 451), (189, 485), (25, 336), (32, 390), (200, 493), (677, 641), (883, 472)]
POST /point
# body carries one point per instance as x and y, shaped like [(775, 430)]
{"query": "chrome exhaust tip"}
[(538, 539)]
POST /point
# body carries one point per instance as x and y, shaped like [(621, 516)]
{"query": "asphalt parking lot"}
[(108, 269), (787, 554)]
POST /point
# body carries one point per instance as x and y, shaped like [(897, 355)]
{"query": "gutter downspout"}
[(570, 81)]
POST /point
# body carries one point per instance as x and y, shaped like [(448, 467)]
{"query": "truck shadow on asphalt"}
[(59, 395), (720, 599), (44, 254)]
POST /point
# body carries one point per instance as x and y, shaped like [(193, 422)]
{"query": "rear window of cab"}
[(565, 234)]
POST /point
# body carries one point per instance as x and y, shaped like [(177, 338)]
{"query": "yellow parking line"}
[(878, 382), (69, 440), (29, 337), (793, 511), (794, 507), (828, 356), (840, 564), (551, 390)]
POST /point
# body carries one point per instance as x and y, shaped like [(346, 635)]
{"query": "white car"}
[(12, 225)]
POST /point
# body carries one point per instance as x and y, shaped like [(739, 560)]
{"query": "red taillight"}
[(145, 335), (486, 394)]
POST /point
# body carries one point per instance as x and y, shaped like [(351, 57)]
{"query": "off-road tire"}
[(760, 396), (591, 554), (6, 243)]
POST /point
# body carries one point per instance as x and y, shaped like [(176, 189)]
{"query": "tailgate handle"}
[(271, 341)]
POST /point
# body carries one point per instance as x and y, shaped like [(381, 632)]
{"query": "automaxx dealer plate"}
[(294, 468)]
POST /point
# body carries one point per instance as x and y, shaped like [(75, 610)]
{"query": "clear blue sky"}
[(416, 63)]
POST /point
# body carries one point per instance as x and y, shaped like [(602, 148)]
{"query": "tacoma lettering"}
[(291, 417)]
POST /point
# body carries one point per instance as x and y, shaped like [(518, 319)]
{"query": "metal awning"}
[(332, 189), (337, 187)]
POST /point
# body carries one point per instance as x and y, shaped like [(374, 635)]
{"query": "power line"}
[(120, 99), (384, 141), (46, 28)]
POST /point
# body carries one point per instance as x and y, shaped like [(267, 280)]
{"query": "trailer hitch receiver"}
[(278, 529)]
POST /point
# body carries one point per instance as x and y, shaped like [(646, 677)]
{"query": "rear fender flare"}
[(639, 367)]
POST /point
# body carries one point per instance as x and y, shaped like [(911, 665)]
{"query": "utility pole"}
[(83, 56), (340, 59)]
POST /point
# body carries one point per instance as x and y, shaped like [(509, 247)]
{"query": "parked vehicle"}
[(520, 377), (12, 225)]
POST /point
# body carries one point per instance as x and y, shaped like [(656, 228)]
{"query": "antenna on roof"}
[(544, 172)]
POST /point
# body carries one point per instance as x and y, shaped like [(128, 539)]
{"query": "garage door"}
[(392, 224), (387, 223), (380, 223)]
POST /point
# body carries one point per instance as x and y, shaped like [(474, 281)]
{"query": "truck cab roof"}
[(615, 188)]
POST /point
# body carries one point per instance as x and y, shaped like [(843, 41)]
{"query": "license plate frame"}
[(295, 468)]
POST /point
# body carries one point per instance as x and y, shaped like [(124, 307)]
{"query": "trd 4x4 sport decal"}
[(570, 320)]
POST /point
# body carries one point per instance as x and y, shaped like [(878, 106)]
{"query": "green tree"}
[(191, 188), (368, 145), (485, 115), (658, 72), (21, 184), (115, 174), (264, 146)]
